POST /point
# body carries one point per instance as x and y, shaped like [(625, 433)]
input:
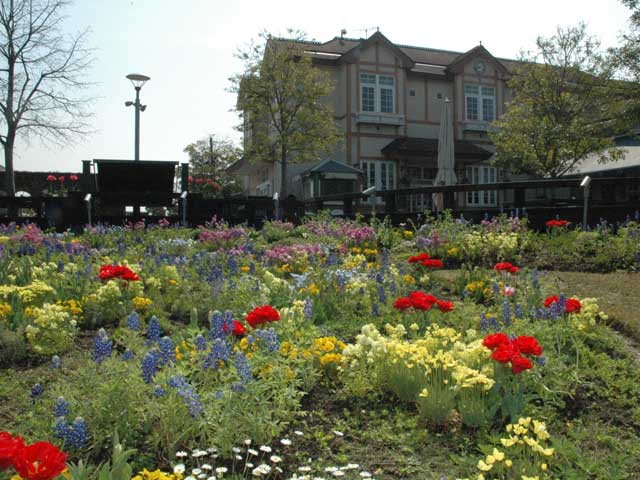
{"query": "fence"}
[(73, 211)]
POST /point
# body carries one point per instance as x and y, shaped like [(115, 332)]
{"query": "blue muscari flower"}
[(167, 350), (484, 323), (36, 390), (379, 277), (340, 282), (375, 311), (127, 355), (61, 428), (201, 343), (133, 321), (270, 339), (382, 294), (55, 362), (77, 434), (61, 407), (87, 271), (153, 330), (534, 278), (242, 367), (392, 288), (332, 259), (384, 258), (506, 313), (562, 302), (541, 361), (361, 290), (494, 323), (308, 308), (227, 319), (232, 265), (496, 288), (220, 350), (150, 365), (252, 268), (102, 347), (238, 387), (216, 322), (188, 394), (158, 391), (518, 313), (219, 394), (555, 311)]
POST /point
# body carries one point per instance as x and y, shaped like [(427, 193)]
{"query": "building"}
[(387, 102)]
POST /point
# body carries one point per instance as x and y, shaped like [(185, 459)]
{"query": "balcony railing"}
[(380, 118)]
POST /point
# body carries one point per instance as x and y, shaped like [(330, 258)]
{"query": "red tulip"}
[(40, 461), (73, 178), (444, 306), (263, 314), (61, 178), (8, 447), (51, 178)]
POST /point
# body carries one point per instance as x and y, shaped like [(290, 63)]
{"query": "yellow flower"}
[(452, 252), (408, 234), (508, 463), (313, 289), (483, 466), (409, 279), (424, 393), (498, 455), (141, 303), (244, 269), (5, 310), (543, 466), (173, 282)]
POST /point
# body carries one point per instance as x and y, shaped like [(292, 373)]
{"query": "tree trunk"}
[(10, 183), (283, 175)]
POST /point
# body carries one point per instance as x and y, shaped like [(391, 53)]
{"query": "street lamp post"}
[(138, 81)]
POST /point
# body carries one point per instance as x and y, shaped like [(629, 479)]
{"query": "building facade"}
[(387, 102)]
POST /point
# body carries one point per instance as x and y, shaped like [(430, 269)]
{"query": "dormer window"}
[(480, 103), (377, 93)]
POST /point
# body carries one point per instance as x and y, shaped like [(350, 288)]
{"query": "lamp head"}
[(369, 191), (137, 79), (586, 181), (128, 104)]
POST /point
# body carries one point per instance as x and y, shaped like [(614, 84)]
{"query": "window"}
[(377, 93), (479, 175), (378, 174), (480, 103)]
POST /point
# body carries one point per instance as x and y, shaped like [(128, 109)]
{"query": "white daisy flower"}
[(252, 451), (189, 478), (304, 469), (236, 450), (196, 471), (247, 441), (365, 474), (181, 454), (286, 442), (249, 465), (352, 466), (338, 433), (298, 432), (212, 449), (331, 469), (265, 448), (206, 466), (275, 459), (238, 457), (338, 473), (221, 470), (179, 468)]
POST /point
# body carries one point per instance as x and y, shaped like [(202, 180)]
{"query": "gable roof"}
[(478, 51), (432, 61), (333, 166), (377, 38)]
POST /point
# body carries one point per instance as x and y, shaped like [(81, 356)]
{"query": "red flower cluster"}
[(571, 304), (107, 272), (263, 314), (422, 301), (426, 261), (238, 328), (51, 178), (506, 267), (557, 223), (39, 461), (506, 350)]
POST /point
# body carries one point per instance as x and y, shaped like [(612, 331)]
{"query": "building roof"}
[(464, 149), (426, 60), (631, 158), (333, 166)]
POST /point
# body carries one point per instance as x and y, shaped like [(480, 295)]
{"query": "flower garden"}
[(331, 349)]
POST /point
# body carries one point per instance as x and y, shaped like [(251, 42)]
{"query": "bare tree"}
[(43, 91)]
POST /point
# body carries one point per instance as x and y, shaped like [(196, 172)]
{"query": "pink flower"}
[(509, 291), (73, 178)]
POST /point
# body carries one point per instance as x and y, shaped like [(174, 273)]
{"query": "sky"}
[(187, 48)]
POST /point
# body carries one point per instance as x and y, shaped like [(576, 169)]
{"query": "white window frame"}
[(378, 88), (480, 97), (373, 176), (479, 175)]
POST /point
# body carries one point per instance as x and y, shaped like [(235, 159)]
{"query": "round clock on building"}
[(479, 66)]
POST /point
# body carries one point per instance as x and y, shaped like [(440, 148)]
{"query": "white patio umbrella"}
[(446, 161)]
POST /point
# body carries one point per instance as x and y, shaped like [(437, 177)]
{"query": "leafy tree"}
[(210, 157), (280, 96), (42, 71), (566, 106)]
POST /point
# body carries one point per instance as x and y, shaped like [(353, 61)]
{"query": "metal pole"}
[(586, 204), (137, 139)]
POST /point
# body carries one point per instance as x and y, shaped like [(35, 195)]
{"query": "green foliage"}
[(281, 101), (565, 107), (208, 160)]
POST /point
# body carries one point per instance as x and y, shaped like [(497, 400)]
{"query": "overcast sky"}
[(187, 47)]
